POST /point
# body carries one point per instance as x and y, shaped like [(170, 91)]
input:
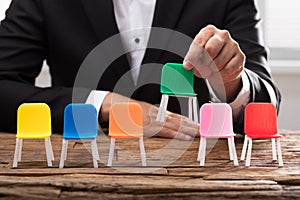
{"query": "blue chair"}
[(80, 123)]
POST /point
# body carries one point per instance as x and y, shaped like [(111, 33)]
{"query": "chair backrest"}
[(80, 121), (260, 120), (33, 120), (216, 120), (175, 80), (126, 120)]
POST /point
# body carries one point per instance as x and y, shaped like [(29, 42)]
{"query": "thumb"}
[(193, 56)]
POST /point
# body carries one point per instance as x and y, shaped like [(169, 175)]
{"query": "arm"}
[(23, 48), (221, 55)]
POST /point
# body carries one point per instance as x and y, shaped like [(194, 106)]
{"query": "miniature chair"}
[(33, 122), (80, 123), (260, 122), (216, 122), (126, 121), (176, 81)]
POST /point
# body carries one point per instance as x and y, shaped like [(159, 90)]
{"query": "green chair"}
[(176, 81)]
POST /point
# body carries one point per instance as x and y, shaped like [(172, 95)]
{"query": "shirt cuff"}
[(96, 98), (240, 101)]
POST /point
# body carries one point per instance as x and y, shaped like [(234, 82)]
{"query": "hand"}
[(175, 126), (216, 56)]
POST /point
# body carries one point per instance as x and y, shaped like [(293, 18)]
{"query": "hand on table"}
[(175, 126), (214, 55)]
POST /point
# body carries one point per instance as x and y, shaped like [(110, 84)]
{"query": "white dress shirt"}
[(134, 20)]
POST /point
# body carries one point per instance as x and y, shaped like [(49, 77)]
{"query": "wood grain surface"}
[(172, 172)]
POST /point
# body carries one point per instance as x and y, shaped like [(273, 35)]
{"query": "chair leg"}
[(160, 109), (165, 105), (233, 152), (230, 148), (94, 153), (20, 150), (280, 161), (190, 109), (51, 150), (111, 151), (17, 152), (142, 150), (202, 151), (96, 149), (249, 153), (48, 154), (274, 149), (63, 155), (66, 150), (199, 151), (195, 110), (161, 115), (244, 148)]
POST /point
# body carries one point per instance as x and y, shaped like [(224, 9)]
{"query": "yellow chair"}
[(126, 121), (33, 122)]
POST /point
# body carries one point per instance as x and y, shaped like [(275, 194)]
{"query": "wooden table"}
[(172, 171)]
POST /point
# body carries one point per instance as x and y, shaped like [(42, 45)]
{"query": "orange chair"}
[(126, 121), (261, 123), (33, 122)]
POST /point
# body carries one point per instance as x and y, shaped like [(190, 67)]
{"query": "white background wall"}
[(285, 73), (289, 84)]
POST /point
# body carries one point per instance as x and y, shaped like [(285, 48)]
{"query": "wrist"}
[(228, 91), (104, 109), (233, 88)]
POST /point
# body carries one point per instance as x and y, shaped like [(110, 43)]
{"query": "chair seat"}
[(40, 136), (73, 138), (219, 136), (79, 136), (265, 136), (184, 94), (112, 135)]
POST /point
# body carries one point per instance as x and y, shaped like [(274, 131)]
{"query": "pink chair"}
[(216, 122), (261, 123)]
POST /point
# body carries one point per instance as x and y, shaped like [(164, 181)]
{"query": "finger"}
[(195, 51), (192, 57), (191, 130), (169, 133), (205, 60), (226, 54), (181, 124), (193, 61), (214, 46), (233, 69), (204, 35)]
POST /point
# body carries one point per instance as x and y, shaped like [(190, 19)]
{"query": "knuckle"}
[(211, 50), (243, 56), (210, 27), (224, 34), (219, 66), (235, 45)]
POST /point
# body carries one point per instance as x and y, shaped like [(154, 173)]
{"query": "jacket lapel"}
[(101, 17), (167, 14)]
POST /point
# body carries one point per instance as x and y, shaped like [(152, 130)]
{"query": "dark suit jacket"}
[(64, 32)]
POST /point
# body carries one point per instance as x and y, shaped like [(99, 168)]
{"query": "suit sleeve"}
[(243, 22), (23, 48)]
